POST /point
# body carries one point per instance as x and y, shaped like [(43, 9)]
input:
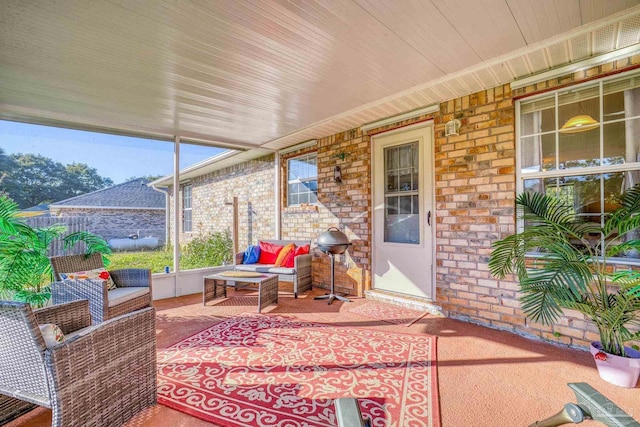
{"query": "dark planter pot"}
[(621, 371)]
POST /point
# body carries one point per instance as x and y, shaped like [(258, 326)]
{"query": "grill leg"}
[(332, 295)]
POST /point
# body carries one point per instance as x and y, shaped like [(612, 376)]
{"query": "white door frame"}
[(428, 169)]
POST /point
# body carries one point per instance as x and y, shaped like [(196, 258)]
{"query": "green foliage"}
[(32, 179), (208, 250), (563, 262), (204, 251), (25, 270)]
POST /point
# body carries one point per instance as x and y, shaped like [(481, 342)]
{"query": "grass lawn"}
[(155, 260)]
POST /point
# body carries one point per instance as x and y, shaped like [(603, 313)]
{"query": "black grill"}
[(333, 242)]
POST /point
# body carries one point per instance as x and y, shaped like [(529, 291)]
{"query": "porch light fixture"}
[(452, 127), (579, 123), (337, 174)]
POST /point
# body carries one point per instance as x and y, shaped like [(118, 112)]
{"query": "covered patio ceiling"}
[(273, 73)]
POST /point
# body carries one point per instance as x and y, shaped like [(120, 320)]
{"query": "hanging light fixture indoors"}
[(579, 123)]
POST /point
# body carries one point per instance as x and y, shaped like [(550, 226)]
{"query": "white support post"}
[(176, 208), (277, 192)]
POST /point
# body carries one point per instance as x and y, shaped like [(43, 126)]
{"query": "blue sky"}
[(113, 156)]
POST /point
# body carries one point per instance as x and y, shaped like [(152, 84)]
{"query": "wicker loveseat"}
[(99, 375), (299, 274), (133, 287)]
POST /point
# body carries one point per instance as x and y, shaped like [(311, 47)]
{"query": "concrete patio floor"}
[(486, 377)]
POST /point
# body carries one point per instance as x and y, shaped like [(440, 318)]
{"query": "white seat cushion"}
[(120, 295), (265, 268)]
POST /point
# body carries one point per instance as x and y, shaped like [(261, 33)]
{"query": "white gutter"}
[(167, 209), (105, 207)]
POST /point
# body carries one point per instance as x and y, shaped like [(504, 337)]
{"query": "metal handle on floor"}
[(591, 405), (348, 413)]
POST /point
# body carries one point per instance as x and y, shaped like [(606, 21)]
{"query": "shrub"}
[(208, 250)]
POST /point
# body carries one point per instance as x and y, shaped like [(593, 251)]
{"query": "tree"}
[(32, 179), (148, 178), (6, 164), (81, 179)]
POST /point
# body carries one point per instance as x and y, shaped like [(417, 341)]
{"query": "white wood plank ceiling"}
[(274, 73)]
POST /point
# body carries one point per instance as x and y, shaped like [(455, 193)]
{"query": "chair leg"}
[(11, 408)]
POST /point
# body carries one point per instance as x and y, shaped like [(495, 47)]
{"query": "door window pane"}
[(402, 220)]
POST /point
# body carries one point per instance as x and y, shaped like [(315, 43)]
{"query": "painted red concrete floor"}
[(486, 377)]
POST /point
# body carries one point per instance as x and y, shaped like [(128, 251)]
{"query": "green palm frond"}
[(25, 269), (561, 263), (8, 216), (94, 244)]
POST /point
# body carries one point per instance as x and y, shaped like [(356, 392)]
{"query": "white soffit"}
[(273, 73), (619, 33)]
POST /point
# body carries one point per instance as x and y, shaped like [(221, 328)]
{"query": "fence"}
[(107, 226), (73, 224)]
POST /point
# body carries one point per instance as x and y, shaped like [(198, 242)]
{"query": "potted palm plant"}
[(563, 262), (25, 270)]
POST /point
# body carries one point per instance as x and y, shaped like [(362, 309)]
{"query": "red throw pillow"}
[(300, 250), (284, 254), (269, 253)]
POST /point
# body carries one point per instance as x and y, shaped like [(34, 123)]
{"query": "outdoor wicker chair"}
[(133, 287), (100, 375)]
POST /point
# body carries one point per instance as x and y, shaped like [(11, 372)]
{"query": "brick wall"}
[(475, 191), (252, 182), (345, 205)]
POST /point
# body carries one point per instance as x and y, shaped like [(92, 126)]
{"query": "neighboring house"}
[(130, 208), (35, 211), (422, 206)]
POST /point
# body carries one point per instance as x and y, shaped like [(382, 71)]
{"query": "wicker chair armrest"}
[(93, 290), (116, 358), (127, 277), (69, 316), (302, 261)]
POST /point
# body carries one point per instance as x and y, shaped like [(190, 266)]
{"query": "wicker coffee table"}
[(215, 286)]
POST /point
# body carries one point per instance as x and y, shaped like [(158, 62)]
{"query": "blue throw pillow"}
[(251, 255)]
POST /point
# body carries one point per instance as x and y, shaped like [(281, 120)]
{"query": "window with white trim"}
[(302, 180), (588, 165), (186, 209)]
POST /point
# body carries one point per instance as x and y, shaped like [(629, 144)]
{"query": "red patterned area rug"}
[(389, 313), (265, 370)]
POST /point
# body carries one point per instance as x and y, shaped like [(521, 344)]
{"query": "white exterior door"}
[(403, 245)]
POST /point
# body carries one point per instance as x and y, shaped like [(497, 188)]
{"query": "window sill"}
[(300, 209)]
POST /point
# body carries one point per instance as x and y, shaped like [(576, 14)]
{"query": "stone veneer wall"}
[(252, 182), (120, 223)]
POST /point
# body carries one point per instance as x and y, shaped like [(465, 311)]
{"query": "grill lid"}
[(331, 237), (333, 241)]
